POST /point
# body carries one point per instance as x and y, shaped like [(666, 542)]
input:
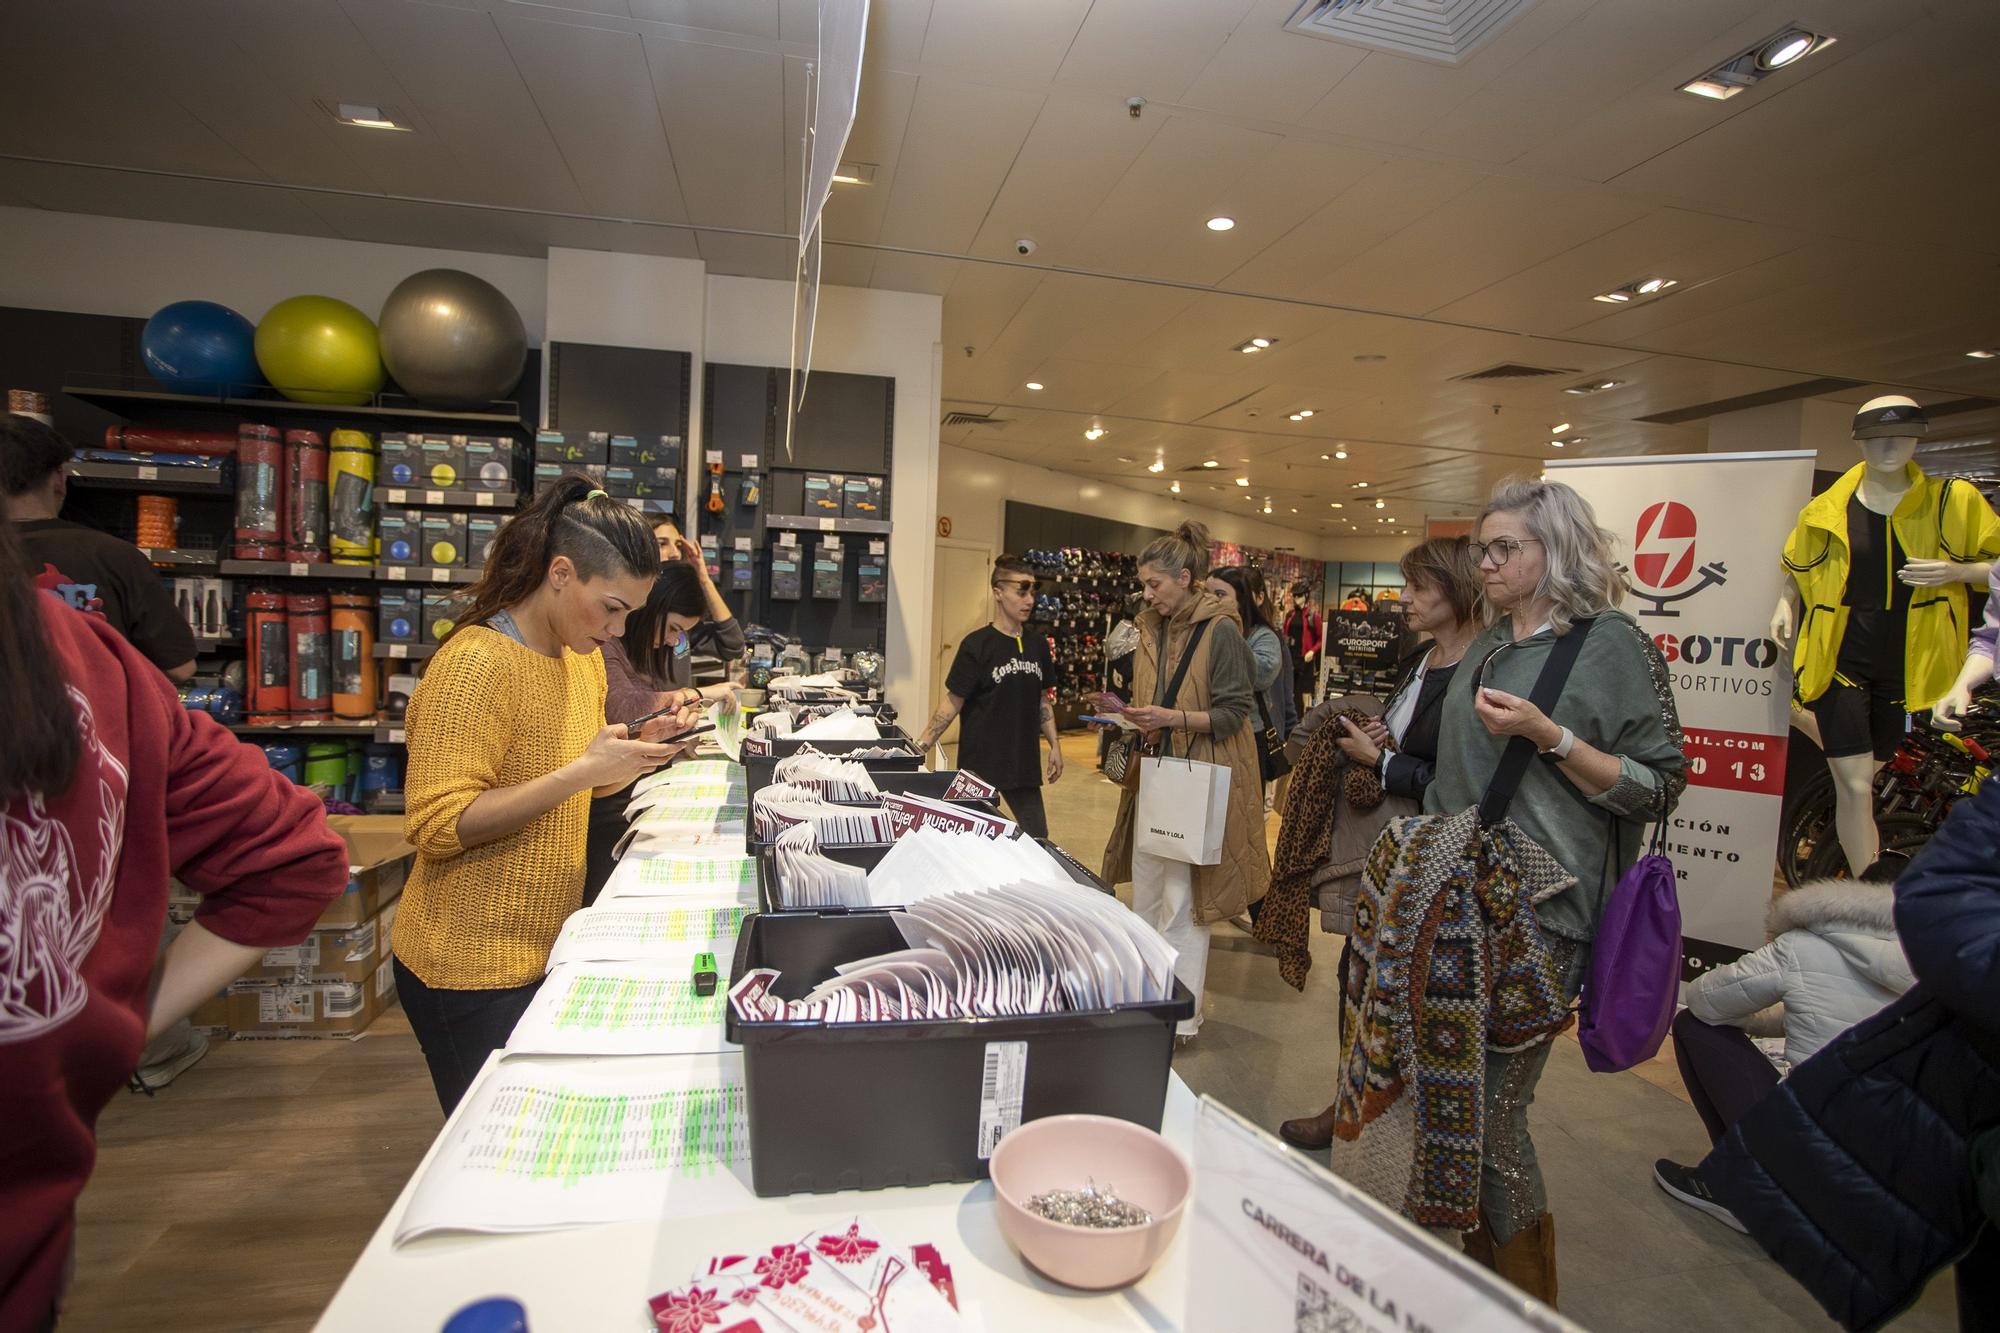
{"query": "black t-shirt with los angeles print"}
[(1002, 680), (98, 573)]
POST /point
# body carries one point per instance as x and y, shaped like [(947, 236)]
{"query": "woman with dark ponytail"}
[(108, 786), (508, 740)]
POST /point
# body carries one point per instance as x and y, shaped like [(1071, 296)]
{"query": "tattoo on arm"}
[(1048, 712)]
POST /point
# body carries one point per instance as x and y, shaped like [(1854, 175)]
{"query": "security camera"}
[(1025, 247)]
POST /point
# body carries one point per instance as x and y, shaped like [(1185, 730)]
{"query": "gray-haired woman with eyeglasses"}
[(1611, 762)]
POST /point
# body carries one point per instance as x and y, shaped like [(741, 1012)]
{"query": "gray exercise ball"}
[(452, 339)]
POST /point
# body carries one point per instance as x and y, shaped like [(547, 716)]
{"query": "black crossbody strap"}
[(1173, 690), (1520, 751)]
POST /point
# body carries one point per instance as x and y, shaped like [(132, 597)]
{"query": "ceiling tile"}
[(1020, 43), (748, 18), (1266, 73), (1081, 146), (962, 140), (1151, 220), (1150, 48), (724, 112)]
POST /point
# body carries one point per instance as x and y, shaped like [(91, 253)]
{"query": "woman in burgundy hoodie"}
[(107, 787)]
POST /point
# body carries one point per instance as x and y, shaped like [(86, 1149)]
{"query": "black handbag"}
[(1272, 761)]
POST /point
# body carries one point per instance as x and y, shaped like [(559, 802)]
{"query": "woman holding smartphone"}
[(507, 739)]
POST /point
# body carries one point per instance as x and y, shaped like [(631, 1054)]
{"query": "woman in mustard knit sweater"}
[(507, 741)]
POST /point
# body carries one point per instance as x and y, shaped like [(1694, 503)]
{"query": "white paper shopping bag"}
[(1182, 809)]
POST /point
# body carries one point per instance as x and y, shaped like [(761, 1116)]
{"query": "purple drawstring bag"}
[(1635, 966)]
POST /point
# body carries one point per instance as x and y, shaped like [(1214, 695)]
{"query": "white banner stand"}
[(1282, 1245), (1700, 537)]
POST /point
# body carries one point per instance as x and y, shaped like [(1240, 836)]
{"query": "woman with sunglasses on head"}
[(1610, 762), (507, 740), (715, 632), (646, 669)]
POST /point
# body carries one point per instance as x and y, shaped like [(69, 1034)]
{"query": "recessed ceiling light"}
[(1557, 444), (1262, 342), (1360, 486), (367, 117), (1210, 462), (854, 173), (1243, 481), (1326, 458), (1220, 223), (1370, 359), (1982, 354), (1156, 466), (1175, 488), (1598, 386), (1307, 411), (1267, 506), (1295, 511), (1557, 430), (1340, 453), (1381, 504), (1296, 416), (1335, 504), (1613, 298), (1651, 285), (1035, 386), (1782, 50), (1094, 433), (1752, 64)]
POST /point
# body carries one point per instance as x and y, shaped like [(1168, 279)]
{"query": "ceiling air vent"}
[(1447, 31), (1511, 370), (973, 419)]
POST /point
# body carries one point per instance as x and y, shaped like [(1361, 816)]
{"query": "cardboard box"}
[(344, 953), (631, 451), (402, 533), (861, 497), (442, 462), (440, 610), (562, 447), (480, 530), (548, 474), (323, 1009), (400, 463), (489, 463), (378, 860), (444, 538), (398, 612), (619, 481)]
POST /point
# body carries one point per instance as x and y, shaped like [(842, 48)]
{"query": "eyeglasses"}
[(1502, 549), (1018, 585)]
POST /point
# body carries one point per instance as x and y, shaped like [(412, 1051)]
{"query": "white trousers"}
[(1163, 896)]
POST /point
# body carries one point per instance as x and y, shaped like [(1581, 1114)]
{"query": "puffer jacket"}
[(1832, 961), (1855, 1173)]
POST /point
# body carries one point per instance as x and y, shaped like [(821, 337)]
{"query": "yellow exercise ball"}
[(315, 349)]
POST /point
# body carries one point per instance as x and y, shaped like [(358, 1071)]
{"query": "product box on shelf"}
[(215, 599), (548, 474), (640, 483), (861, 497), (829, 569), (401, 462), (444, 538), (910, 1105), (443, 464), (398, 612), (480, 530), (824, 491), (555, 446), (402, 533), (648, 451), (326, 1009), (489, 463), (440, 609), (378, 860)]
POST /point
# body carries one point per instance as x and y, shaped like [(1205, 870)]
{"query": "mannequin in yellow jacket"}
[(1903, 573)]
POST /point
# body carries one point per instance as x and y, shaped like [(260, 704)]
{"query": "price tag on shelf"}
[(749, 462), (827, 524), (483, 500), (877, 547), (788, 539), (297, 569), (399, 650), (395, 735), (440, 576), (148, 472), (742, 543), (397, 573), (714, 457), (396, 497), (433, 497)]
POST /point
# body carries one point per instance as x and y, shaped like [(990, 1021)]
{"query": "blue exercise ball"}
[(200, 347)]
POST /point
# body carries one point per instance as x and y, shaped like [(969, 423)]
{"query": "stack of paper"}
[(780, 806), (908, 811), (825, 682), (774, 722), (726, 874), (648, 1008), (835, 779), (928, 861), (841, 725), (808, 879), (630, 930), (1022, 948)]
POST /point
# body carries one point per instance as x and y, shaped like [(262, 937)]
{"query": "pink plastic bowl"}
[(1068, 1152)]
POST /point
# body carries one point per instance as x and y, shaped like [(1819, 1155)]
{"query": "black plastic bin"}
[(920, 781), (770, 894), (870, 1105), (758, 769)]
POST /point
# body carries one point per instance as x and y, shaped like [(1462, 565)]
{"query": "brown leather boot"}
[(1529, 1260), (1478, 1245), (1313, 1131)]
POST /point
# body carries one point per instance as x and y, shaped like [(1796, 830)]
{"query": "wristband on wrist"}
[(1564, 744)]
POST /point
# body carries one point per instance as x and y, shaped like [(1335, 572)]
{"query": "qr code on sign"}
[(1320, 1311)]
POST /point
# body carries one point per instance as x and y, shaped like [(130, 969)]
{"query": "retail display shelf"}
[(425, 574), (175, 557), (315, 728), (205, 641), (414, 652), (130, 402), (318, 571), (164, 478), (424, 497), (389, 733), (808, 523)]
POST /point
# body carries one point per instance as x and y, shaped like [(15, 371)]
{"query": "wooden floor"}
[(238, 1197)]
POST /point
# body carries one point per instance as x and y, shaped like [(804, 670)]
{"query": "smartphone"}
[(691, 731), (632, 727)]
